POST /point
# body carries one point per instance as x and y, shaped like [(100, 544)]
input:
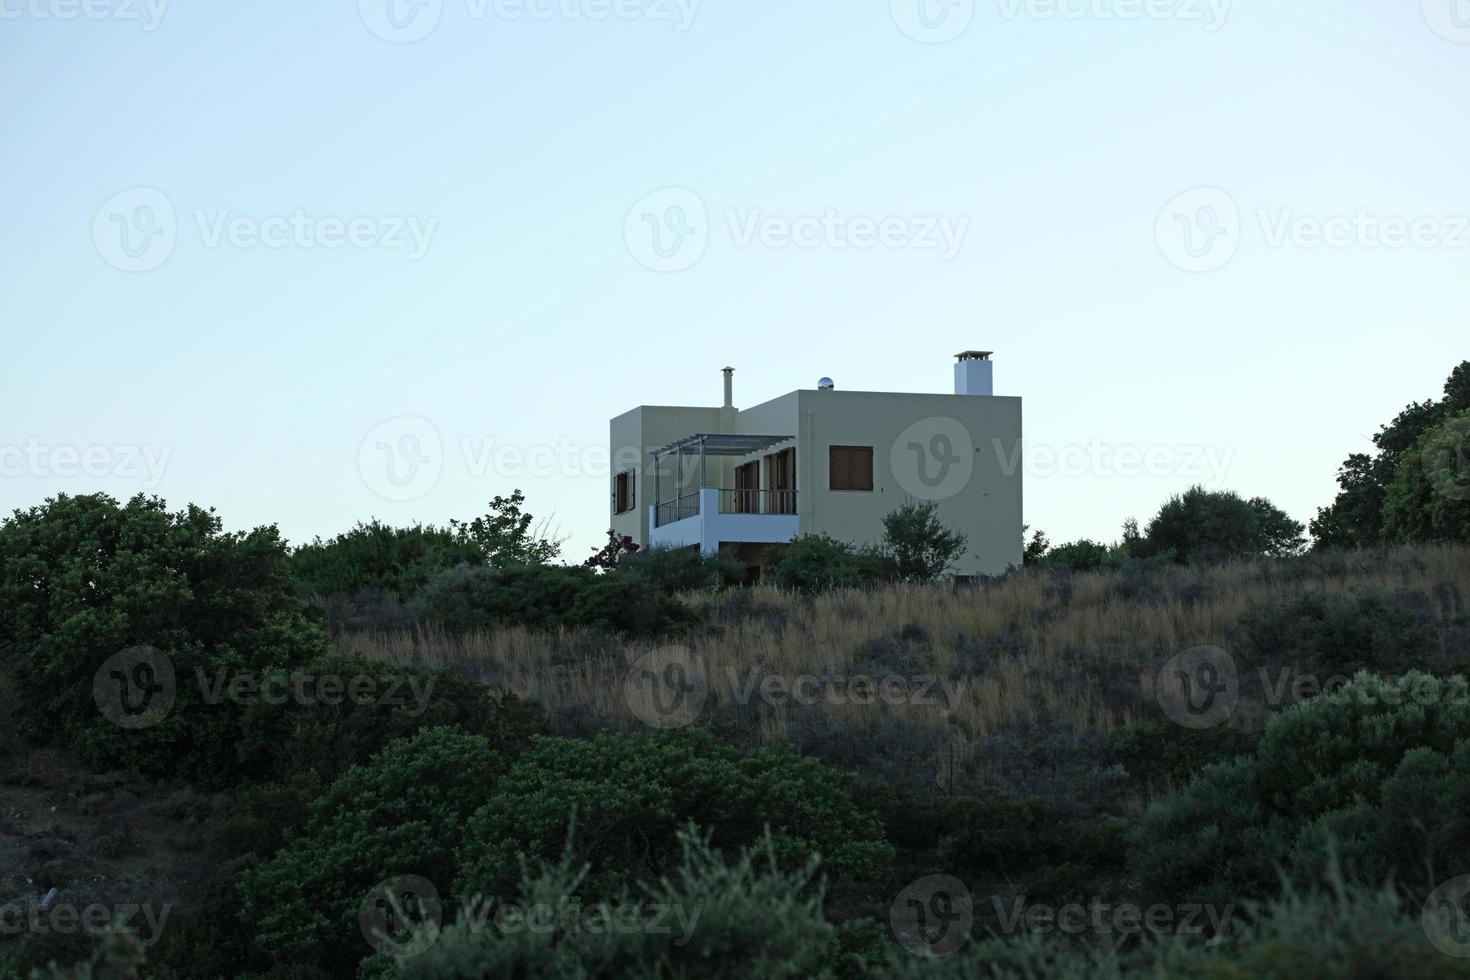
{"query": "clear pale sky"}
[(503, 284)]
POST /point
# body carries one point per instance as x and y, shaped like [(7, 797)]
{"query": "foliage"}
[(1380, 767), (548, 597), (402, 812), (327, 735), (631, 793), (1084, 555), (725, 920), (1429, 498), (619, 548), (670, 571), (1384, 496), (814, 563), (1204, 525), (918, 545), (1333, 931), (117, 955), (1338, 635), (1036, 548), (374, 556), (507, 536), (83, 578)]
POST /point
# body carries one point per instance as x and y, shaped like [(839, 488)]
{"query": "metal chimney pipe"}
[(729, 387)]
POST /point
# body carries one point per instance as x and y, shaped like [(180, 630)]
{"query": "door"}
[(747, 488), (781, 482)]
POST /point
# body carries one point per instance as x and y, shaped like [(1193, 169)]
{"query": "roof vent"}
[(825, 384)]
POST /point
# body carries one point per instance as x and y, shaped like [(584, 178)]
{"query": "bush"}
[(1079, 556), (84, 578), (918, 546), (402, 813), (1379, 769), (814, 563), (377, 558), (1340, 635), (328, 738), (546, 598), (1332, 932), (729, 920), (631, 793), (670, 571), (1209, 526)]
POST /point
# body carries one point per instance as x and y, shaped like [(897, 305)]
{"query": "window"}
[(850, 468), (625, 494)]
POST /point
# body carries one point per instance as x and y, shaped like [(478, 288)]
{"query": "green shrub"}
[(1160, 755), (84, 578), (815, 563), (328, 735), (375, 556), (546, 598), (631, 793), (1080, 556), (1332, 932), (670, 571), (917, 545), (402, 813), (1338, 635), (1379, 769), (749, 918), (1204, 525)]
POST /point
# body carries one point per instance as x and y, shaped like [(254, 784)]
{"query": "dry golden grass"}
[(1078, 653)]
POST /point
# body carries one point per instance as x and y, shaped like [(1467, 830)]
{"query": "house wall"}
[(632, 435), (982, 499)]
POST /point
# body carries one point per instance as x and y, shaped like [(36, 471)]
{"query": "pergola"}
[(707, 444)]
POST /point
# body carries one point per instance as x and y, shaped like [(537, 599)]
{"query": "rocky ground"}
[(79, 849)]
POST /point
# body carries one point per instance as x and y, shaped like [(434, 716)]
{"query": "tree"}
[(1204, 525), (1429, 498), (1036, 548), (919, 545), (1359, 516), (507, 537), (153, 596)]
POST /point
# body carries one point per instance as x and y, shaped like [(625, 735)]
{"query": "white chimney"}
[(974, 373), (729, 387)]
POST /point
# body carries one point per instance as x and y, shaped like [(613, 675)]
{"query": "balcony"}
[(710, 516), (779, 503)]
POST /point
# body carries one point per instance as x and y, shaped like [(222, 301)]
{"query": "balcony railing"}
[(757, 501), (730, 502), (676, 510)]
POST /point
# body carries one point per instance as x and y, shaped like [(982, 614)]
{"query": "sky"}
[(314, 263)]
